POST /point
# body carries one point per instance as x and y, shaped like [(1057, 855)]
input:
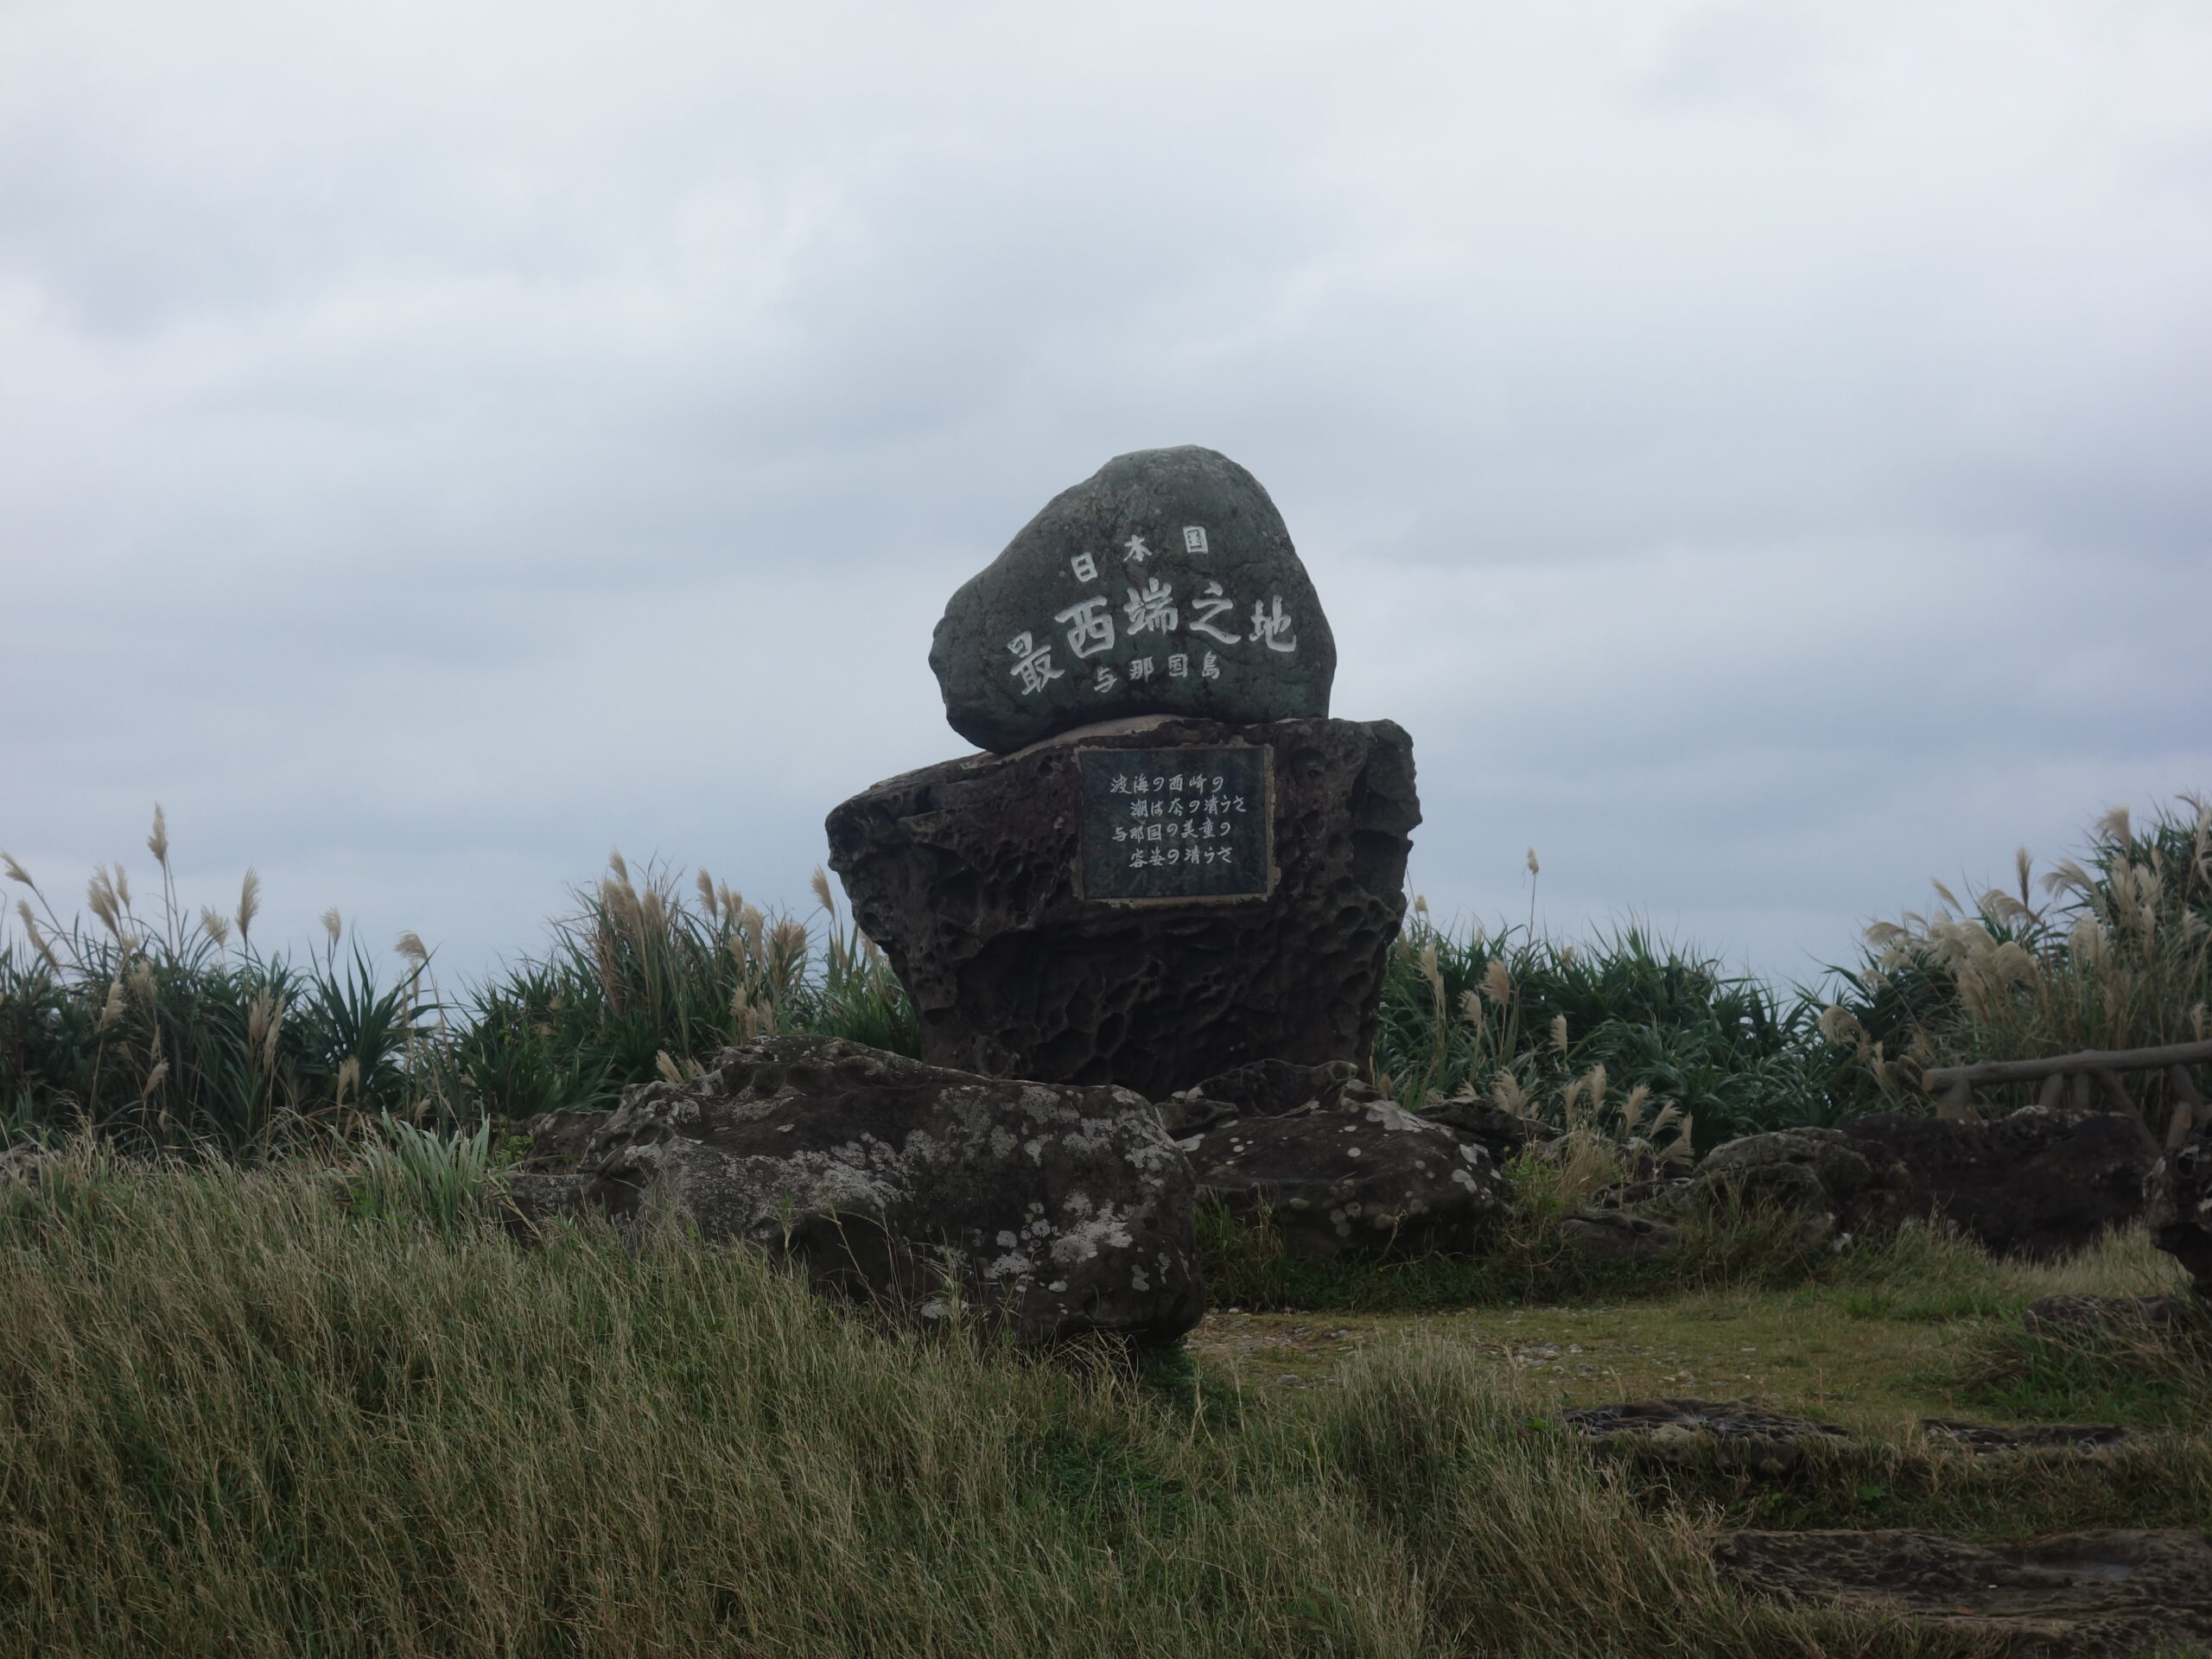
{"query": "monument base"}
[(1145, 902)]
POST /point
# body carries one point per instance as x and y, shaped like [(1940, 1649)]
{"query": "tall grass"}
[(172, 1029), (1578, 1032), (237, 1418), (642, 981), (2118, 955)]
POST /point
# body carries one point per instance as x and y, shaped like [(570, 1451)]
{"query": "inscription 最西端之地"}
[(1092, 630), (1165, 825), (1165, 584)]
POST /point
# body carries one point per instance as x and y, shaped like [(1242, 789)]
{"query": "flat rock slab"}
[(1165, 583), (1989, 1440), (1064, 1212), (969, 876), (2085, 1595), (1732, 1433)]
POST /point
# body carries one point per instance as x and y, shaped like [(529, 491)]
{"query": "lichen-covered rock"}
[(1064, 1211), (2098, 1320), (1165, 584), (1502, 1134), (967, 875), (2083, 1595), (1362, 1174), (2037, 1184)]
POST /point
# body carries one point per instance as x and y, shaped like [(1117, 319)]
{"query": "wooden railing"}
[(2084, 1077)]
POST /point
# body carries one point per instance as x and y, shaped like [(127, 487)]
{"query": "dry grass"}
[(2118, 955), (240, 1419)]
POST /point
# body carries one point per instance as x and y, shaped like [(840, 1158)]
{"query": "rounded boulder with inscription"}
[(1164, 584)]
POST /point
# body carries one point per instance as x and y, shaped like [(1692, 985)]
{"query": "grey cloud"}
[(1759, 456)]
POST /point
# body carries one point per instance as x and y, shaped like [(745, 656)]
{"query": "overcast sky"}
[(1762, 453)]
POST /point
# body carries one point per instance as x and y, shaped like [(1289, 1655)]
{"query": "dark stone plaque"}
[(1176, 824)]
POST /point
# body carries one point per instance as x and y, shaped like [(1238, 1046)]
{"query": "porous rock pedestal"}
[(1059, 1211), (967, 874)]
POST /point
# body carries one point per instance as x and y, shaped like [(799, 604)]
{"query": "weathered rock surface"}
[(1360, 1174), (1727, 1433), (1617, 1235), (2180, 1207), (1066, 1210), (965, 874), (1165, 583), (1814, 1173), (2084, 1595), (1502, 1134), (2039, 1183), (1992, 1440)]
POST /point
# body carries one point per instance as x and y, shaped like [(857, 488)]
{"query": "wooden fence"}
[(2081, 1079)]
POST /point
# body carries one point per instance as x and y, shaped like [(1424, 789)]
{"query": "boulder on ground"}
[(2037, 1184), (1337, 1165), (1814, 1173), (1064, 1211), (970, 877), (2084, 1595)]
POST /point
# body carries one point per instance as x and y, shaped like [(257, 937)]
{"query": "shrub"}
[(641, 982), (1593, 1033), (174, 1031), (2118, 956)]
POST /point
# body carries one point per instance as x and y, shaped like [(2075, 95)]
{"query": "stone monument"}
[(1169, 861)]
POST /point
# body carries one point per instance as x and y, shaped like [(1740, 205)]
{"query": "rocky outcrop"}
[(1732, 1434), (1062, 1211), (2084, 1595), (967, 874), (1814, 1173), (1165, 583), (2180, 1209), (1335, 1165), (2037, 1184)]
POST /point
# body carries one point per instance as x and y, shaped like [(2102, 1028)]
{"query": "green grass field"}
[(274, 1383), (244, 1412)]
